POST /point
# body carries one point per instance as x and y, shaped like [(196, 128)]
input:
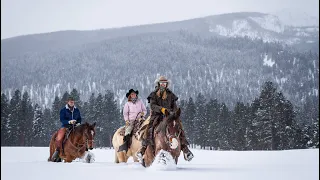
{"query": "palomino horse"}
[(117, 141), (166, 137), (80, 138)]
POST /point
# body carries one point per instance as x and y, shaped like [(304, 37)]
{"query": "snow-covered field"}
[(30, 163)]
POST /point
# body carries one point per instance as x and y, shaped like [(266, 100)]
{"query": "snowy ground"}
[(30, 163)]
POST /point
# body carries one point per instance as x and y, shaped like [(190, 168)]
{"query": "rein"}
[(83, 145), (170, 136)]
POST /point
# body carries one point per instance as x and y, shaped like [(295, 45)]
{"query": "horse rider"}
[(162, 99), (133, 108), (69, 115)]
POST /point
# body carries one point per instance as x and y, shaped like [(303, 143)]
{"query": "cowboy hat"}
[(131, 91)]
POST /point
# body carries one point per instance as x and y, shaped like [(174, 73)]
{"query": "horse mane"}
[(164, 123), (81, 128)]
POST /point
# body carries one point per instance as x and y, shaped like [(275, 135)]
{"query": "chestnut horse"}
[(117, 140), (166, 137), (80, 138)]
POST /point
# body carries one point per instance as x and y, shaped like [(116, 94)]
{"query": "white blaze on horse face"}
[(174, 143), (174, 123), (92, 132)]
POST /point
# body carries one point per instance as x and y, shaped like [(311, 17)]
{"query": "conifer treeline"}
[(270, 122)]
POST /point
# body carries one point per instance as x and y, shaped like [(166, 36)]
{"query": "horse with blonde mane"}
[(139, 128)]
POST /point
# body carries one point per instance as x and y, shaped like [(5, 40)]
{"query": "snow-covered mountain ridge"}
[(267, 27), (191, 53)]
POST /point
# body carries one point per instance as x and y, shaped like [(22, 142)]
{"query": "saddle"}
[(66, 136), (139, 128), (142, 131)]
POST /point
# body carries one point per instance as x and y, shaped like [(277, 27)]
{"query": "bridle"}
[(81, 146), (170, 137)]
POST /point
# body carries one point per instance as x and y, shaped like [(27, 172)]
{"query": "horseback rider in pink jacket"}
[(133, 109)]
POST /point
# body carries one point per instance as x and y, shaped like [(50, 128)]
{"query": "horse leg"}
[(122, 157), (51, 151), (133, 154), (148, 156), (176, 159), (116, 159), (135, 159), (52, 146), (68, 159)]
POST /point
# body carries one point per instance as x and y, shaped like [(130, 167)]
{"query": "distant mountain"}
[(225, 56), (296, 17), (267, 27), (251, 24)]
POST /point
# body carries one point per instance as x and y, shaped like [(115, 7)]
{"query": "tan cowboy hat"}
[(162, 79)]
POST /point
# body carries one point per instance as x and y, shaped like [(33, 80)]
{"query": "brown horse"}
[(117, 141), (80, 138), (166, 137)]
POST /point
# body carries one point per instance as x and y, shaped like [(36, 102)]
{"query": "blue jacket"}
[(66, 115)]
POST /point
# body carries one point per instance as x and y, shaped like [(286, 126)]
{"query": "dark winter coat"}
[(157, 102), (66, 115)]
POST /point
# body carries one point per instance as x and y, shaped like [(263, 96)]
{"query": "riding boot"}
[(145, 143), (55, 155), (124, 146), (142, 150), (150, 137), (58, 142)]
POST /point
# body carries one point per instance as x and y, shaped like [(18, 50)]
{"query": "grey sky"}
[(19, 17)]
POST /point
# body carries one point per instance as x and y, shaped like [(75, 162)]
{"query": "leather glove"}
[(72, 121), (127, 123), (163, 110), (142, 114)]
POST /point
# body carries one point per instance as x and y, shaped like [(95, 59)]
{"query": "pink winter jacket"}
[(130, 110)]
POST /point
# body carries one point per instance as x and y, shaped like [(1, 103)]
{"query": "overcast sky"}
[(20, 17)]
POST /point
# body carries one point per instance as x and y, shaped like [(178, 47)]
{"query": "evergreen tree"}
[(38, 128), (102, 121), (212, 111), (49, 126), (224, 127), (4, 120), (76, 95), (25, 120), (200, 121), (64, 99), (253, 126), (239, 127), (55, 112), (14, 118), (265, 120), (88, 109), (316, 133), (189, 123), (112, 114)]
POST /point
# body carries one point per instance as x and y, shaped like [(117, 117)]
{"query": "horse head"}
[(88, 132), (170, 128)]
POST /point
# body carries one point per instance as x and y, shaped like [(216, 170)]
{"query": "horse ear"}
[(94, 124), (178, 112)]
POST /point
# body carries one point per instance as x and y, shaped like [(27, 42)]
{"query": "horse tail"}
[(51, 145)]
